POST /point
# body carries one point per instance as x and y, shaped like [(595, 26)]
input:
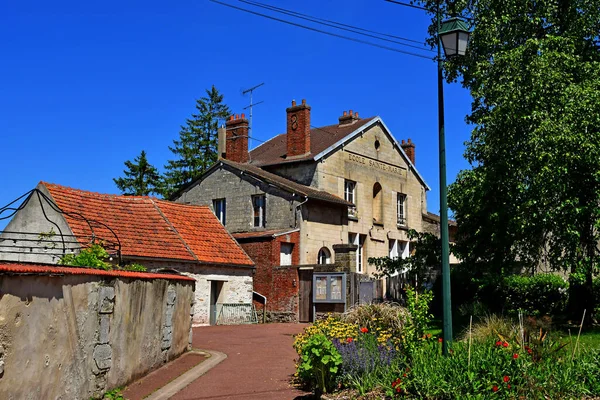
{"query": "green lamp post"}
[(453, 35)]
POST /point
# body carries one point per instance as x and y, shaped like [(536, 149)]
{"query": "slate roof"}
[(286, 184), (274, 150), (150, 228)]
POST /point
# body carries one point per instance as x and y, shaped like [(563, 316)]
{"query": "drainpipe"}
[(265, 305), (298, 208)]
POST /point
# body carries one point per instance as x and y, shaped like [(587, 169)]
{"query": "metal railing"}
[(237, 314)]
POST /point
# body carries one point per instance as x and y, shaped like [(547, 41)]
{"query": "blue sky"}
[(85, 86)]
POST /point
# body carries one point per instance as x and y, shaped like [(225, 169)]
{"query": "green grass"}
[(590, 338)]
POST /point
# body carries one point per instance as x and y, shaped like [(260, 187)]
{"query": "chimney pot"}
[(345, 113), (231, 118), (350, 112), (356, 114), (293, 103), (244, 117), (303, 102)]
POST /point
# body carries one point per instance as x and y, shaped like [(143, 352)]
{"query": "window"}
[(285, 254), (324, 256), (220, 210), (359, 240), (377, 203), (258, 207), (401, 209), (350, 195), (398, 249)]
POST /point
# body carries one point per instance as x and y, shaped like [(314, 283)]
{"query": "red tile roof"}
[(274, 150), (148, 227), (42, 269)]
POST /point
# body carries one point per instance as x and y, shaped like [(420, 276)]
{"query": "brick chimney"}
[(348, 118), (236, 139), (409, 149), (298, 129)]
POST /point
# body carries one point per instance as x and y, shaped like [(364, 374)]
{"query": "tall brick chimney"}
[(409, 149), (298, 129), (236, 138), (348, 118)]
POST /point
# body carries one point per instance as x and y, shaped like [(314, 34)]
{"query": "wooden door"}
[(305, 295)]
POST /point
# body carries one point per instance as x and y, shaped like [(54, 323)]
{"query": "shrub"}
[(92, 257), (540, 294), (134, 267), (385, 320), (490, 327), (319, 363), (417, 305), (331, 327)]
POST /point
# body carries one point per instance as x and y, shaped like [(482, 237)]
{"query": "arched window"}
[(324, 256), (377, 203)]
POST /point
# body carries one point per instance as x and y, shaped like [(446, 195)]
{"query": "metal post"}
[(447, 319)]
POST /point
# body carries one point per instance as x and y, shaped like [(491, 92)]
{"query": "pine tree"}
[(141, 178), (196, 149)]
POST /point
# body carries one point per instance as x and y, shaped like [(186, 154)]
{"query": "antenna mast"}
[(252, 89)]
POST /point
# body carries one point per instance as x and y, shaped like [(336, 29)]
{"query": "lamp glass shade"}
[(454, 34)]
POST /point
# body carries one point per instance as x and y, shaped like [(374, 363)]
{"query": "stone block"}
[(171, 296), (103, 336), (106, 299), (103, 356)]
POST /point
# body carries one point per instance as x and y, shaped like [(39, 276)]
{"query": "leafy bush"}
[(92, 257), (134, 267), (417, 305), (540, 294), (319, 363), (331, 327)]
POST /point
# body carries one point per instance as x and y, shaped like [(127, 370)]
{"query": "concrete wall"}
[(238, 190), (76, 336), (35, 219)]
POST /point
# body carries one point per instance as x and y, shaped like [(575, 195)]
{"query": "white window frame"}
[(220, 211), (285, 254), (401, 217), (358, 240), (262, 206), (350, 191)]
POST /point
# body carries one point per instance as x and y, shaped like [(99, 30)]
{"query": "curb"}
[(170, 389)]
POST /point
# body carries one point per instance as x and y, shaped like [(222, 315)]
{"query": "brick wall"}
[(279, 284), (298, 129), (236, 142)]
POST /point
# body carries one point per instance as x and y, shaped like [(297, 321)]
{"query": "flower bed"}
[(359, 361)]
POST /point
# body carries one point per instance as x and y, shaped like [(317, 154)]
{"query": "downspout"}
[(297, 209)]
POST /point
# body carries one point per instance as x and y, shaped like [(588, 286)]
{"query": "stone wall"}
[(65, 333), (237, 189)]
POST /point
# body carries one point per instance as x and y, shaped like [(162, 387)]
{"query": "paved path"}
[(259, 363)]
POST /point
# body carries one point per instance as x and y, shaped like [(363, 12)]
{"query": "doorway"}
[(305, 303)]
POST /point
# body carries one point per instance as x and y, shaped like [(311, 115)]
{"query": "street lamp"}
[(453, 36)]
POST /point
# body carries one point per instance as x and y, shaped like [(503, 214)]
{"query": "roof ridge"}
[(187, 247), (98, 194)]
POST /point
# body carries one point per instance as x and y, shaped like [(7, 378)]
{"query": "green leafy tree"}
[(420, 266), (196, 149), (141, 178), (532, 197)]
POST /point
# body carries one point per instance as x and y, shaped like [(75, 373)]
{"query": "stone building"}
[(295, 200), (56, 220)]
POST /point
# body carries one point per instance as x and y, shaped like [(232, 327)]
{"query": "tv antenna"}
[(244, 92)]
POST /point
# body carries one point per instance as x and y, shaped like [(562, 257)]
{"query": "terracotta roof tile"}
[(148, 227), (274, 150), (43, 269)]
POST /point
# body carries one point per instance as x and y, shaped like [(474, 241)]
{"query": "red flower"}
[(529, 351), (396, 382), (349, 340), (499, 343), (508, 386), (364, 330), (506, 379), (404, 375), (505, 344), (398, 389), (495, 388), (515, 356), (440, 340)]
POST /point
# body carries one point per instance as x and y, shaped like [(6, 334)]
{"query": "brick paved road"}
[(260, 361)]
